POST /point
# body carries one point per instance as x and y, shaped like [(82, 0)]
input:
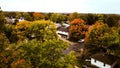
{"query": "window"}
[(95, 60), (104, 64)]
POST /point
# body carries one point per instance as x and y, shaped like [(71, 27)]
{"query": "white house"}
[(21, 19), (66, 25), (103, 60), (63, 32)]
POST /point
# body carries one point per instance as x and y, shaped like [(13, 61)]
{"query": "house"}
[(63, 32), (8, 20), (58, 25), (21, 19), (66, 25), (13, 20), (103, 60)]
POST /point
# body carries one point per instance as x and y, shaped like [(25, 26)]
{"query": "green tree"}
[(42, 30), (113, 41), (58, 18), (40, 54), (9, 32), (2, 20), (3, 42), (89, 18), (18, 15), (61, 18), (73, 16), (100, 17), (77, 29), (112, 20), (27, 16), (47, 17), (10, 14), (54, 17)]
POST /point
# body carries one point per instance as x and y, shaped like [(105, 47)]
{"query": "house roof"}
[(64, 29), (58, 25), (105, 58)]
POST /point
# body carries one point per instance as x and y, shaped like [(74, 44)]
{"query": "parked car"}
[(81, 41)]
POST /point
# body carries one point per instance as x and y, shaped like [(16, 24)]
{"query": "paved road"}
[(70, 42), (73, 46)]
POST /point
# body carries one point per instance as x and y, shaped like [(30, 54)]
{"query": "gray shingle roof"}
[(105, 58)]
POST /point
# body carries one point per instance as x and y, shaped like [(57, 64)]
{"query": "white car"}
[(81, 41)]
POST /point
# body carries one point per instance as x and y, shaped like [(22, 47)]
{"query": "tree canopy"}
[(2, 20), (77, 29), (38, 16), (42, 30), (102, 37), (58, 18), (73, 16)]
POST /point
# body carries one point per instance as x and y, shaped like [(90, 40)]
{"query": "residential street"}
[(73, 46)]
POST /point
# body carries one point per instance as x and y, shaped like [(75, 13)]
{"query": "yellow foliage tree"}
[(21, 29), (42, 29)]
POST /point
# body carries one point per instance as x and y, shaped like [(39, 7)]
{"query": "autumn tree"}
[(46, 54), (91, 19), (100, 17), (77, 29), (94, 36), (21, 29), (42, 30), (101, 37), (27, 16), (4, 43), (47, 17), (10, 14), (58, 18), (10, 34), (61, 18), (18, 15), (54, 17), (2, 20), (112, 19), (73, 16), (113, 41), (38, 16)]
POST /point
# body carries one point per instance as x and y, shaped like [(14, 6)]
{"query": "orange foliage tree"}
[(38, 16), (102, 38), (95, 33), (77, 29)]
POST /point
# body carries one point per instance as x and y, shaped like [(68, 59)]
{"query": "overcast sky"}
[(81, 6)]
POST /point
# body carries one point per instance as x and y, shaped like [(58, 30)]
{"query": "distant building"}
[(8, 20), (13, 20), (21, 19), (103, 60)]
